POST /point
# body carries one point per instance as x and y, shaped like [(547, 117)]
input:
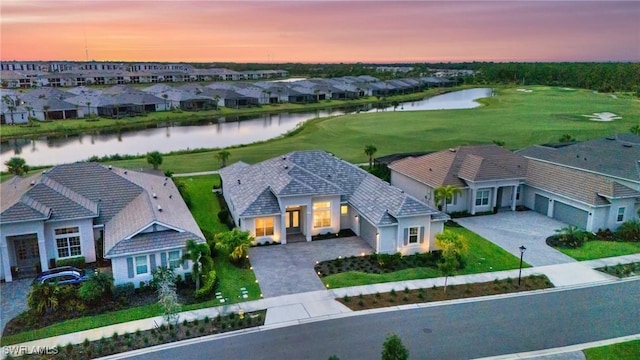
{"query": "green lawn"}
[(520, 119), (624, 351), (597, 249), (483, 256)]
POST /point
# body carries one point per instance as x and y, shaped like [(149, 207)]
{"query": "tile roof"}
[(464, 163), (253, 189), (125, 202), (586, 187), (616, 155)]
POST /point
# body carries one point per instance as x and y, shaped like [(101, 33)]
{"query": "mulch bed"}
[(377, 263), (406, 296), (162, 334)]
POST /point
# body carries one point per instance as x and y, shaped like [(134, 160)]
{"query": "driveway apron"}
[(288, 269), (510, 230)]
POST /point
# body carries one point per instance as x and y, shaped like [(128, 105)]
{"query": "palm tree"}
[(165, 96), (155, 159), (235, 242), (223, 156), (88, 108), (11, 105), (29, 117), (200, 255), (445, 194), (46, 112), (370, 150), (17, 166), (43, 298)]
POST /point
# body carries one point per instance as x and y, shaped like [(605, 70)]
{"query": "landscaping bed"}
[(376, 263), (622, 270), (582, 245), (161, 334), (406, 296)]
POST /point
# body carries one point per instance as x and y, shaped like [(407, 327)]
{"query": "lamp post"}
[(522, 250)]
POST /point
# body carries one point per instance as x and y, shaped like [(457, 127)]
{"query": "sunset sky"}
[(320, 31)]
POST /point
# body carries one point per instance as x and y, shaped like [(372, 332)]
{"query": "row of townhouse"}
[(67, 74), (51, 103)]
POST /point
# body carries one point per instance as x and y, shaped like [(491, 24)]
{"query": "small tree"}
[(635, 129), (566, 138), (200, 255), (98, 287), (235, 242), (154, 158), (223, 156), (454, 248), (43, 298), (164, 280), (394, 349), (445, 194), (395, 104), (370, 150), (17, 166)]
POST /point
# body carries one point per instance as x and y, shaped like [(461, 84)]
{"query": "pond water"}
[(217, 133)]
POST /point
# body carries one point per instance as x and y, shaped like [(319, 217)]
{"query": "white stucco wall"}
[(387, 240), (7, 251), (412, 187), (629, 214), (248, 224), (417, 221), (120, 269), (87, 243)]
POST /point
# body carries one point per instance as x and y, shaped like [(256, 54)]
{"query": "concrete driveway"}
[(288, 269), (510, 230), (13, 299)]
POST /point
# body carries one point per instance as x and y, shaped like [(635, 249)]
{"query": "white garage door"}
[(368, 232)]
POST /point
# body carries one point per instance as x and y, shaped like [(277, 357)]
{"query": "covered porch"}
[(23, 256), (493, 198)]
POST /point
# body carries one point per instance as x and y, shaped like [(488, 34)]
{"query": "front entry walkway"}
[(288, 269), (510, 230)]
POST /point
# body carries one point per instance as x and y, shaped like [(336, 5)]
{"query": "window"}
[(344, 210), (518, 189), (453, 200), (174, 259), (264, 226), (141, 265), (68, 242), (321, 214), (482, 197), (620, 217), (413, 235)]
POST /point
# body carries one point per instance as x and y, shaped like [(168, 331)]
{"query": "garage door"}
[(368, 232), (541, 205), (570, 214)]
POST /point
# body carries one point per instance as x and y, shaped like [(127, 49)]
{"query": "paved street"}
[(510, 230), (288, 269), (462, 330)]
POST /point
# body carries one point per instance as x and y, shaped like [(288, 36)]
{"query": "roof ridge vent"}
[(155, 196), (159, 207)]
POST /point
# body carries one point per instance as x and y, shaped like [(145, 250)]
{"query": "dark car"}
[(64, 275)]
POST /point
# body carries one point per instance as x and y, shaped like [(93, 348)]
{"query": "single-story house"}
[(592, 184), (306, 193), (137, 220), (489, 177)]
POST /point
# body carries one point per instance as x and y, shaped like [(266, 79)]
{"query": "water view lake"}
[(218, 133)]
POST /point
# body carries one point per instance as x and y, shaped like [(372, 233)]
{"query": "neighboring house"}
[(306, 193), (488, 176), (593, 184), (138, 220)]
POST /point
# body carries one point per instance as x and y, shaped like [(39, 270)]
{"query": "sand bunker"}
[(568, 89), (603, 116), (524, 90)]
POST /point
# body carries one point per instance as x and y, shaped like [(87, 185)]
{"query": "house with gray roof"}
[(489, 177), (137, 220), (592, 184), (306, 193)]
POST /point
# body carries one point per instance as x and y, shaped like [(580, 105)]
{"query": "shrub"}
[(569, 237), (98, 287), (77, 261), (629, 231), (346, 298), (207, 286), (125, 290), (605, 235)]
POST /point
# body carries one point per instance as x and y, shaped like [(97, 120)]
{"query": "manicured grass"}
[(520, 119), (204, 203), (483, 256), (597, 249), (623, 351)]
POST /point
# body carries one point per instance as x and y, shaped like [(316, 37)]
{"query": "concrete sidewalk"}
[(317, 305)]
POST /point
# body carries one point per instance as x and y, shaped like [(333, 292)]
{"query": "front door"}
[(293, 221), (27, 253)]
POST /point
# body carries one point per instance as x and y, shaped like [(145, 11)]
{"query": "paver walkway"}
[(13, 299), (288, 269), (512, 229)]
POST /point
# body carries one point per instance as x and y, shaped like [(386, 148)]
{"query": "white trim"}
[(151, 224), (624, 210), (135, 265)]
